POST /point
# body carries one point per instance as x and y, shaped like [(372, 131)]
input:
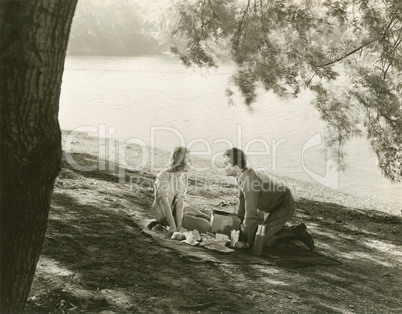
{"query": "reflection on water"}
[(136, 95)]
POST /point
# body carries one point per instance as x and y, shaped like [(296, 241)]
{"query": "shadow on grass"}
[(353, 213), (95, 258), (352, 223)]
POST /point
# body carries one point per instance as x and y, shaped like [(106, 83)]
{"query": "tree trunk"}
[(33, 43)]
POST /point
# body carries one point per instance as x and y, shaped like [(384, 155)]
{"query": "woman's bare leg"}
[(191, 222), (195, 212)]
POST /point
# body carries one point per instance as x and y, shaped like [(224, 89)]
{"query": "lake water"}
[(157, 101)]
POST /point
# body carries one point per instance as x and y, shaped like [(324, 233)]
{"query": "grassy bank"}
[(96, 259), (209, 180)]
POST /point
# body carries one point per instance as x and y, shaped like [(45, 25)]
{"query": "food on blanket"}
[(192, 237), (234, 237), (196, 234), (208, 239), (178, 236), (207, 242), (222, 237), (208, 235)]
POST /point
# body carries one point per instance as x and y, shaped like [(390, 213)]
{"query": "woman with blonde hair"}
[(170, 189)]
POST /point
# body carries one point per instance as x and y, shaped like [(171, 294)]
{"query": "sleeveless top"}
[(168, 185)]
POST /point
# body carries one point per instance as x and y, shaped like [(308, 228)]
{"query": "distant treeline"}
[(120, 27)]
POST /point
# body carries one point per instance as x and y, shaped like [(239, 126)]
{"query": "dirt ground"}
[(95, 258)]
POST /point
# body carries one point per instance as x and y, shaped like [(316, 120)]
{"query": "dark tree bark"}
[(33, 43)]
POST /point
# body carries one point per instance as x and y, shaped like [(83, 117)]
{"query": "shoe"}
[(295, 233), (152, 224), (304, 236)]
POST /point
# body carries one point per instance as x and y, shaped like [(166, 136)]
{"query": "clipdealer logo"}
[(112, 152)]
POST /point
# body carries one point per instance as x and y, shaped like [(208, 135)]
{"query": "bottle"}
[(259, 240)]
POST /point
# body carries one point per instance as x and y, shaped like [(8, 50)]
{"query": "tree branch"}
[(213, 12), (345, 56), (244, 16), (386, 70), (202, 17), (241, 27), (357, 49), (308, 83)]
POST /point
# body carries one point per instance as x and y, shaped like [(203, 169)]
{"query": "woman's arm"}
[(168, 214), (180, 201), (179, 212)]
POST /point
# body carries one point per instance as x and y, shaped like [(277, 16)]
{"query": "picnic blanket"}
[(288, 255)]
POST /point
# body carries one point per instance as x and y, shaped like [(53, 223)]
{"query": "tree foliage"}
[(348, 53)]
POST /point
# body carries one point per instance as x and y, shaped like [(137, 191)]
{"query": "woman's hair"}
[(236, 157), (177, 160)]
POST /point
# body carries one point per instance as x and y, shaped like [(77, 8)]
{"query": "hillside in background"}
[(121, 27)]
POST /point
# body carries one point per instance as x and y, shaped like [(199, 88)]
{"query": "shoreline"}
[(88, 144), (127, 105)]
